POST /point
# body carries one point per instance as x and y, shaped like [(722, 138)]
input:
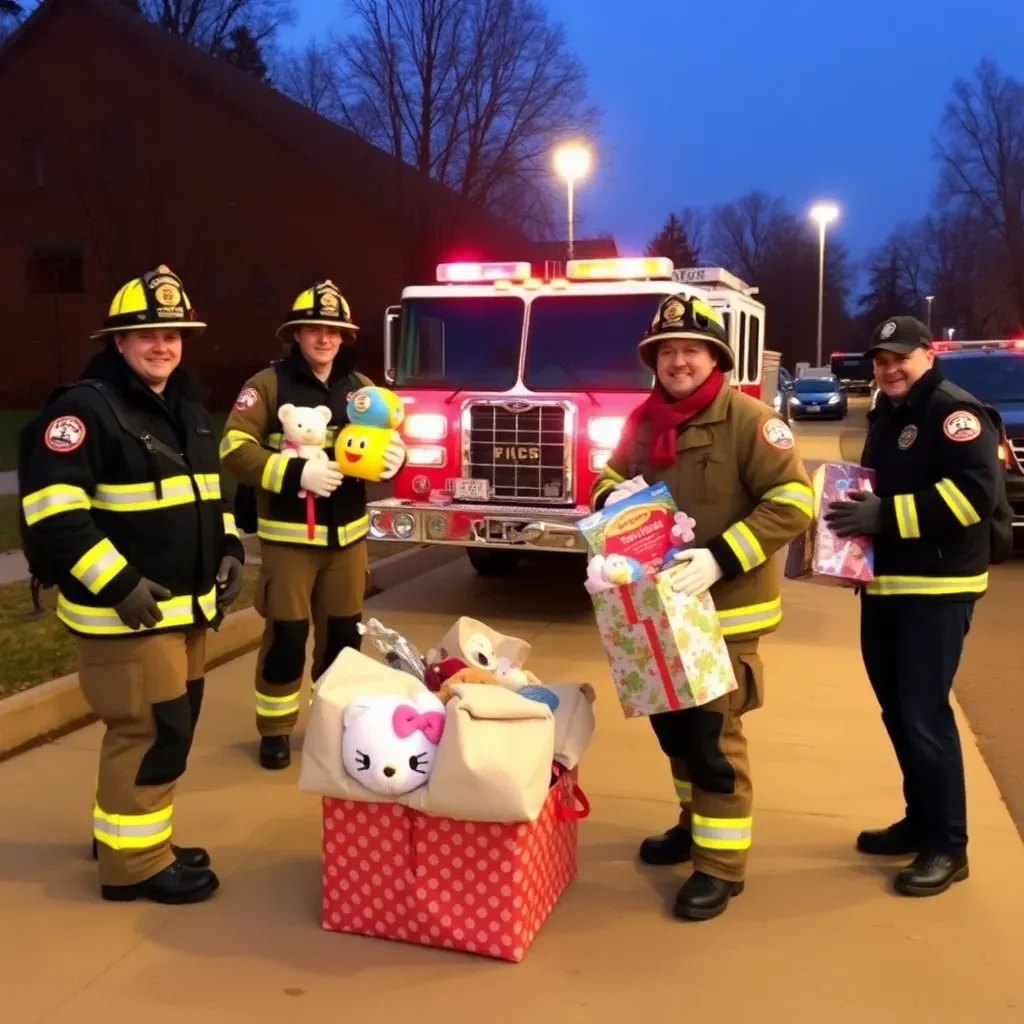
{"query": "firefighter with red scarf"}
[(732, 465)]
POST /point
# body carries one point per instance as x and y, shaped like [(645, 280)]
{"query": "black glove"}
[(139, 608), (229, 581), (862, 514)]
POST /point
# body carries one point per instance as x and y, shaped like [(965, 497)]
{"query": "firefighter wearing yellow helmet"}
[(120, 492), (310, 573), (733, 466)]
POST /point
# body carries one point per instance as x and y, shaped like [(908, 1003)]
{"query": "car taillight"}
[(425, 426)]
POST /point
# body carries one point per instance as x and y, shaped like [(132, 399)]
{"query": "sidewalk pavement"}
[(817, 938)]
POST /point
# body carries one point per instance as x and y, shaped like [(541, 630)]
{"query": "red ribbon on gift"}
[(566, 809), (652, 638)]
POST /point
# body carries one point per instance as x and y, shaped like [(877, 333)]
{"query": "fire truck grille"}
[(1017, 444), (520, 453)]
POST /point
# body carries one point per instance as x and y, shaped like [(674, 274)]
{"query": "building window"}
[(35, 162), (753, 348), (56, 273), (741, 350)]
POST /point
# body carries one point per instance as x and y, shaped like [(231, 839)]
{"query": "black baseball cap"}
[(899, 334)]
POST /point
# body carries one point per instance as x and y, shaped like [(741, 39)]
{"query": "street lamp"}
[(824, 214), (572, 162), (929, 299)]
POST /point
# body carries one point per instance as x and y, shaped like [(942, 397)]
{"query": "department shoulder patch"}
[(246, 399), (65, 434), (962, 425), (777, 434)]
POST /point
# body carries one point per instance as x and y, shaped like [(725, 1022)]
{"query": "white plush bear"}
[(304, 432), (388, 742)]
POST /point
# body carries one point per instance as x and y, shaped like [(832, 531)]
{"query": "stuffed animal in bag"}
[(466, 675), (477, 645), (304, 432), (388, 742)]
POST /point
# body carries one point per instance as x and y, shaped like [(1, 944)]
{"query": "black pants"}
[(911, 648)]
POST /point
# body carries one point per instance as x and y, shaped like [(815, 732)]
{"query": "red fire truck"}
[(516, 388)]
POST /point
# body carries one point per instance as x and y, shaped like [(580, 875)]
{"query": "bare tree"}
[(747, 232), (210, 24), (310, 76), (472, 93), (981, 151), (12, 14)]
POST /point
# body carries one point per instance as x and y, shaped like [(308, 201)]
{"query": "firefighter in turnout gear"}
[(934, 451), (320, 578), (733, 466), (122, 506)]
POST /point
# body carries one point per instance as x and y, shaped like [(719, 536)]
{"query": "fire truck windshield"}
[(588, 342), (460, 342)]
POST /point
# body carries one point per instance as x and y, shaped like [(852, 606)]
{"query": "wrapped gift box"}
[(820, 556), (666, 650), (396, 873)]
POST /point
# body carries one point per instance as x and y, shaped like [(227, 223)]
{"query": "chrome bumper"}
[(492, 526)]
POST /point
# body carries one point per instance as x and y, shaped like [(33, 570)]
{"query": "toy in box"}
[(819, 555)]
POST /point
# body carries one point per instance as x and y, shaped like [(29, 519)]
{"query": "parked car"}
[(854, 370), (783, 389), (821, 397)]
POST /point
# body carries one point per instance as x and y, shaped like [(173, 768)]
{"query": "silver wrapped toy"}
[(398, 652)]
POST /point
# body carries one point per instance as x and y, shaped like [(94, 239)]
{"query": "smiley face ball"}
[(359, 451), (376, 407)]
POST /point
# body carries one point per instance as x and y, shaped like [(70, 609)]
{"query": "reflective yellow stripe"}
[(131, 831), (889, 586), (906, 516), (745, 546), (957, 502), (177, 611), (297, 533), (722, 833), (796, 494), (234, 439), (52, 500), (145, 497), (99, 565), (273, 473), (230, 527), (606, 481), (684, 790), (751, 618), (277, 707)]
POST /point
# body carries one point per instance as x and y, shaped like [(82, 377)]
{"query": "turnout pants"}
[(148, 691), (911, 648), (297, 584), (708, 755)]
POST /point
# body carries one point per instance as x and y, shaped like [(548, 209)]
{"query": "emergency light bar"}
[(1014, 345), (470, 273), (627, 268)]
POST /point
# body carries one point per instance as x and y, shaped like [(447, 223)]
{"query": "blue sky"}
[(801, 98)]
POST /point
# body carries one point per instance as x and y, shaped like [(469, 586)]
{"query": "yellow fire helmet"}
[(322, 304), (157, 299), (682, 317)]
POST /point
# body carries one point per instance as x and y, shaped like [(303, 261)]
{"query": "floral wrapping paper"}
[(665, 649)]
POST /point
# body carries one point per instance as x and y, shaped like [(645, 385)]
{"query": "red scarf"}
[(667, 415)]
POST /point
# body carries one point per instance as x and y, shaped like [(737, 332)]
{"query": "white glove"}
[(695, 571), (394, 457), (625, 489), (322, 478)]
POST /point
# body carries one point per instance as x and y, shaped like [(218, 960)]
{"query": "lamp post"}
[(929, 299), (572, 162), (824, 214)]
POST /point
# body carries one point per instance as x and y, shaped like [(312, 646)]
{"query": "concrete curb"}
[(53, 709)]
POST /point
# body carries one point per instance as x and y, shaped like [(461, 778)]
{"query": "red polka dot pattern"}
[(477, 887)]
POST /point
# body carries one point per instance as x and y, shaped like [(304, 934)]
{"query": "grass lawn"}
[(35, 648)]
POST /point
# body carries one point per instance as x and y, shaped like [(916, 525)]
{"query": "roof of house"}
[(358, 165)]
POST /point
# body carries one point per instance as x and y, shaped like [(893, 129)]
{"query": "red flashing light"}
[(472, 273)]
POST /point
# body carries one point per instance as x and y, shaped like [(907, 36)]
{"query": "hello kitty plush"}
[(388, 743)]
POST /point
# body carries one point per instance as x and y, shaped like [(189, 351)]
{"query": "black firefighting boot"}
[(671, 847), (175, 884), (897, 840), (931, 874), (190, 856), (703, 897), (275, 752)]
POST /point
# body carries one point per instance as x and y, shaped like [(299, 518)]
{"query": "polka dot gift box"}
[(396, 873)]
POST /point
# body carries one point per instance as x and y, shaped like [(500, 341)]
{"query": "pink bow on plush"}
[(407, 720)]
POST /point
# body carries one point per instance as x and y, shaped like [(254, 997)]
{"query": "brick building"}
[(122, 147)]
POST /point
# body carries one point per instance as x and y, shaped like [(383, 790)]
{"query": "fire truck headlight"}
[(429, 455), (425, 426), (605, 431), (403, 524)]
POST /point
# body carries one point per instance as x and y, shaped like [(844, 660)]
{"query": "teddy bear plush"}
[(304, 432)]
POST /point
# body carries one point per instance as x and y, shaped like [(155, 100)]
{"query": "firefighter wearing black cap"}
[(732, 465), (122, 503), (934, 451), (320, 577)]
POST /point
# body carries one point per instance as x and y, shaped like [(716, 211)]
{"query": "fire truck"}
[(516, 388)]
